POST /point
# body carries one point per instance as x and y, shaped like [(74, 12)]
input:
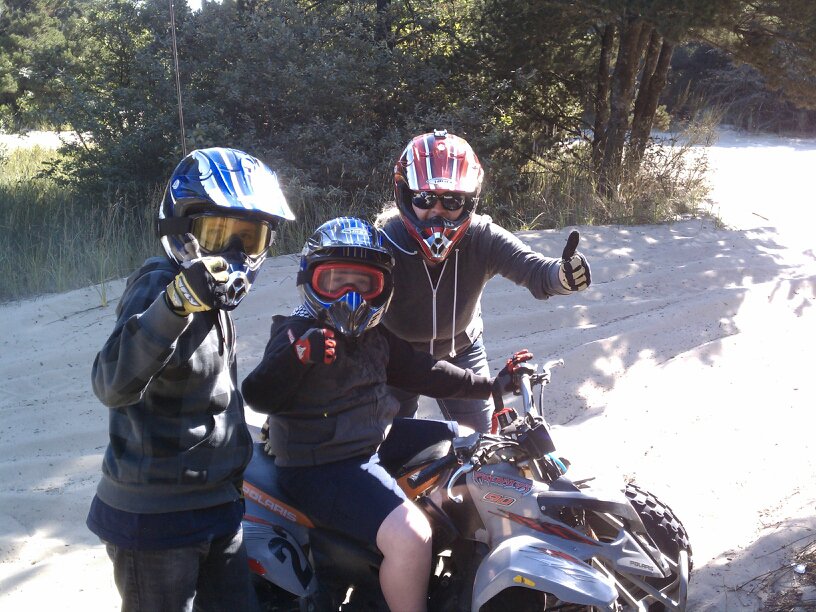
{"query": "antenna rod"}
[(178, 79)]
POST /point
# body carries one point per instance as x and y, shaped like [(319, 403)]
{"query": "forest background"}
[(561, 100)]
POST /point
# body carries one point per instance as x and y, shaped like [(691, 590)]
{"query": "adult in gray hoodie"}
[(445, 253)]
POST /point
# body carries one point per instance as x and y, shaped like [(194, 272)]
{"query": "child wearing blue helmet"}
[(169, 505), (323, 382)]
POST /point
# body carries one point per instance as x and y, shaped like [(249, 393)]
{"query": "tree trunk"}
[(634, 35), (382, 29), (602, 95), (652, 83)]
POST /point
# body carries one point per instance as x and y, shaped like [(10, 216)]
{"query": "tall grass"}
[(52, 239), (313, 206)]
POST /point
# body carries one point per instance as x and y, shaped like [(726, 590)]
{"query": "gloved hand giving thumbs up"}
[(574, 273), (200, 285)]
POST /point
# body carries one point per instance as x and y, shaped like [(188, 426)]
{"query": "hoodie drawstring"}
[(222, 331), (455, 288), (434, 288), (392, 241)]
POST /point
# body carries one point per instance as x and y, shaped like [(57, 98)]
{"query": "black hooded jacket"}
[(324, 413)]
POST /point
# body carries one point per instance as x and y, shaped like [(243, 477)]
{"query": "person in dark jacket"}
[(322, 380), (169, 504), (445, 254)]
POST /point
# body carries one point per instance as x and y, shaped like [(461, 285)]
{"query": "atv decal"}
[(638, 565), (559, 554), (278, 507), (487, 479), (278, 545), (519, 579), (501, 500), (558, 531)]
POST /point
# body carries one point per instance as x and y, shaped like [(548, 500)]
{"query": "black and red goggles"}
[(333, 280)]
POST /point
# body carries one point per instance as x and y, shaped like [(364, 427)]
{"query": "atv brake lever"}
[(551, 364), (466, 444), (458, 499)]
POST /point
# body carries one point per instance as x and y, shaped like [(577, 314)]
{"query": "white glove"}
[(574, 272)]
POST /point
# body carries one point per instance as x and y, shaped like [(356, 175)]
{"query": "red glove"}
[(506, 380), (317, 345)]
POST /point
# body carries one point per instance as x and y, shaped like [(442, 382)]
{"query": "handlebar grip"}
[(428, 472)]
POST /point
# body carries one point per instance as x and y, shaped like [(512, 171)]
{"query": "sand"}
[(687, 368)]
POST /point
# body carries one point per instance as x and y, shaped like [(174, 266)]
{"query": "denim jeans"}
[(473, 413), (210, 576)]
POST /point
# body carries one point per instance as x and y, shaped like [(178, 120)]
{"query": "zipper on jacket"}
[(434, 287), (219, 327)]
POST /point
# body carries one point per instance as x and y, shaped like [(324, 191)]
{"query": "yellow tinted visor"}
[(221, 234)]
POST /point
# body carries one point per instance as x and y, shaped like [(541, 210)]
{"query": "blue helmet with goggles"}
[(345, 275), (232, 203)]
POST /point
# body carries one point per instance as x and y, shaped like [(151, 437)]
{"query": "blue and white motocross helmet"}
[(232, 203), (345, 275)]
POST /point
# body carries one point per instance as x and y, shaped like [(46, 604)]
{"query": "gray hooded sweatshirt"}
[(438, 308)]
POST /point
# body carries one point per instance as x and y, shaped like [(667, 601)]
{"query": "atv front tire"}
[(671, 538)]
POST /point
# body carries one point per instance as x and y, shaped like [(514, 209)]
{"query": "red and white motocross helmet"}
[(437, 165)]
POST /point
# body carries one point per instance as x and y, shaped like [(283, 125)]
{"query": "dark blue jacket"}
[(178, 438)]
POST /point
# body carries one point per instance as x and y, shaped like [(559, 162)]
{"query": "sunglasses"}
[(333, 280), (426, 200)]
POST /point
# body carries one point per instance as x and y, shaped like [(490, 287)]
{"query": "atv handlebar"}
[(471, 452), (529, 377), (461, 449), (428, 472)]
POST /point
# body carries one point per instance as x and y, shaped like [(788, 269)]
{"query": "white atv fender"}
[(275, 554), (275, 532), (526, 561)]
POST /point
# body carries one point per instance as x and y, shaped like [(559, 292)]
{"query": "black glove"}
[(574, 272), (200, 285), (506, 380), (265, 438), (317, 345)]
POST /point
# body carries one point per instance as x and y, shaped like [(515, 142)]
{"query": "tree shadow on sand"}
[(658, 292), (776, 573)]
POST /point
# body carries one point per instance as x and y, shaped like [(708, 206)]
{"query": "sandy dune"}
[(688, 367)]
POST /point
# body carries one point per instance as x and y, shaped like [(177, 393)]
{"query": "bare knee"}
[(404, 538), (406, 532)]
